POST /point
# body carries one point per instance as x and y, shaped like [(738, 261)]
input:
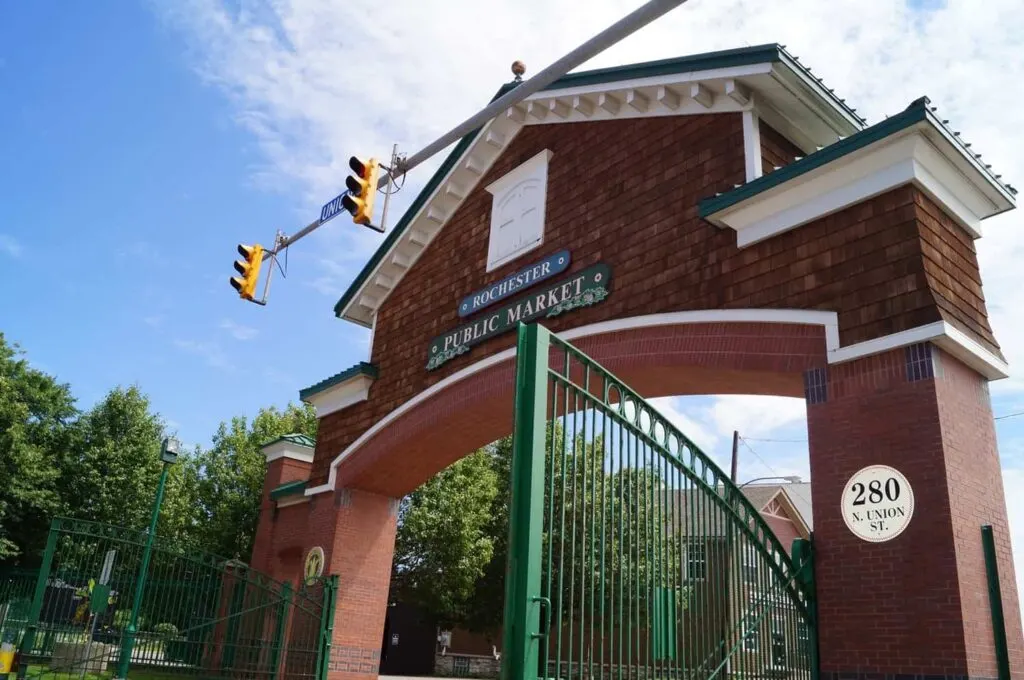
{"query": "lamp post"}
[(168, 455)]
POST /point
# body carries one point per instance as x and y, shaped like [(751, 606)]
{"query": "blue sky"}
[(126, 187), (142, 142)]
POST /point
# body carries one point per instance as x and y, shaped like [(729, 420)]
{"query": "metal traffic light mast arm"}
[(622, 28)]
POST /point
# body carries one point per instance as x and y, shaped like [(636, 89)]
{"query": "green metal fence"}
[(632, 554), (200, 616)]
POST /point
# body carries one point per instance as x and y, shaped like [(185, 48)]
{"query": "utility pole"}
[(735, 454)]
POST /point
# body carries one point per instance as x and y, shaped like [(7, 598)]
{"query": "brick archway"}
[(759, 238), (716, 352)]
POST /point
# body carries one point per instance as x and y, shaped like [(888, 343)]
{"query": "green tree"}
[(228, 478), (443, 542), (35, 412), (110, 471)]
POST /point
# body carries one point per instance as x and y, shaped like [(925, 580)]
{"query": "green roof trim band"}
[(289, 489), (916, 112), (362, 368), (293, 438)]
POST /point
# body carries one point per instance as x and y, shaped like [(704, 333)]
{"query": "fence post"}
[(995, 601), (323, 653), (282, 621), (128, 642), (37, 599), (520, 658)]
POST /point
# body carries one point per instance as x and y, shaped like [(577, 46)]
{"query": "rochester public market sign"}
[(582, 289), (877, 503)]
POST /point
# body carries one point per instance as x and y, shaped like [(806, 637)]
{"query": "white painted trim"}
[(373, 332), (810, 122), (796, 316), (752, 144), (654, 82), (288, 501), (943, 334), (342, 395), (909, 156), (287, 449)]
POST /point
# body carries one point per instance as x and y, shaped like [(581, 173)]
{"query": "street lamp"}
[(169, 450), (792, 479)]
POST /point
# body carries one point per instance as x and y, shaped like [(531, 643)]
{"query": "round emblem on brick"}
[(878, 503), (314, 566)]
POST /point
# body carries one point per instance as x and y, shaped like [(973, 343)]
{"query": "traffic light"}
[(249, 269), (362, 188)]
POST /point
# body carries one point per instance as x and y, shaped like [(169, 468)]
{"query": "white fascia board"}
[(811, 94), (342, 395), (655, 81), (908, 157), (351, 312), (829, 320), (286, 449), (941, 333)]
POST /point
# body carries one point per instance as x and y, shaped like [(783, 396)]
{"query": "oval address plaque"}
[(878, 503)]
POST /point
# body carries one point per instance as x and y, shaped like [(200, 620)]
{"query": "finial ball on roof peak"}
[(518, 69)]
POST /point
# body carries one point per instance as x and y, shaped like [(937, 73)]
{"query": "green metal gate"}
[(632, 555), (199, 615)]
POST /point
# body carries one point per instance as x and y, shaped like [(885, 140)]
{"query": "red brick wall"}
[(637, 211), (776, 150), (280, 471), (975, 485), (915, 604)]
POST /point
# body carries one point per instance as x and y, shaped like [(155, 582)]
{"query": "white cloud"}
[(211, 352), (238, 331), (154, 320), (10, 245), (317, 81)]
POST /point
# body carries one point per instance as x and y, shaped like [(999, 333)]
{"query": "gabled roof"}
[(789, 98), (917, 112)]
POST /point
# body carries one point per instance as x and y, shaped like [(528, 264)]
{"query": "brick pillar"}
[(917, 604), (288, 460), (363, 547)]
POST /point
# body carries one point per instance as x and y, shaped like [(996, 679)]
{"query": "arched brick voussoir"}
[(474, 407)]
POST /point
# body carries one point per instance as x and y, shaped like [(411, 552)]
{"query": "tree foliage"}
[(35, 411), (443, 545)]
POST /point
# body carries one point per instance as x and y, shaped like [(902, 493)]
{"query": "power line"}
[(777, 441), (774, 471), (1010, 415)]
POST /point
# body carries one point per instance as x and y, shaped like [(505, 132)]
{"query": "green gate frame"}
[(280, 632), (528, 610)]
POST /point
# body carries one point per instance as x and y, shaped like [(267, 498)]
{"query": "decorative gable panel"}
[(517, 211)]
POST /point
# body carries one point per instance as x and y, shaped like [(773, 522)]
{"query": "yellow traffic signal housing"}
[(362, 188), (249, 269)]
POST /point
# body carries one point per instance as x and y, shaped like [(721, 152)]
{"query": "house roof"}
[(790, 92), (698, 514)]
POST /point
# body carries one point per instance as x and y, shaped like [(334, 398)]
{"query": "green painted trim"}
[(403, 224), (297, 439), (915, 113), (362, 368), (995, 601), (289, 489)]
